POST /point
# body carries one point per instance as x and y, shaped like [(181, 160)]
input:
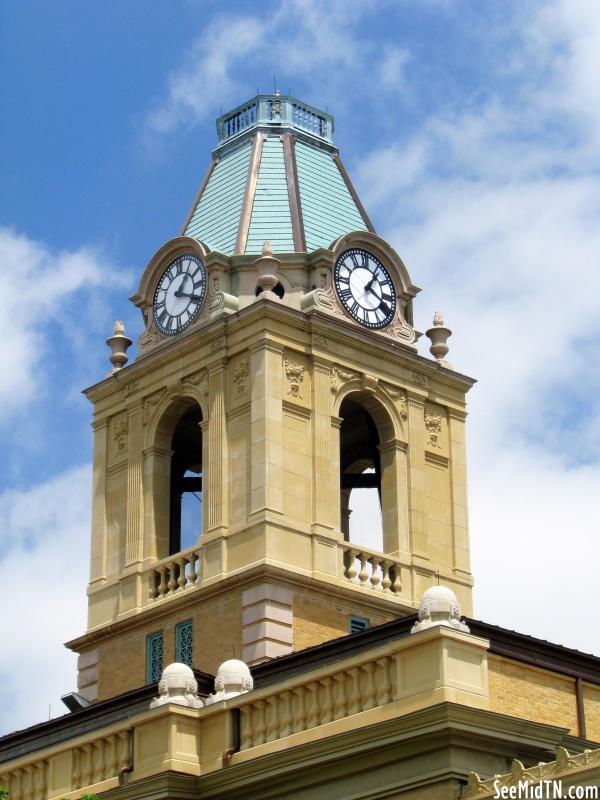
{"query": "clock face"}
[(179, 295), (365, 288)]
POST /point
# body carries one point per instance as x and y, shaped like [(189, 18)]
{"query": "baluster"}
[(387, 581), (172, 584), (181, 578), (286, 717), (370, 690), (98, 760), (300, 716), (327, 708), (86, 765), (341, 701), (124, 758), (363, 575), (273, 721), (385, 687), (313, 714), (16, 785), (261, 724), (375, 579), (397, 584), (76, 769), (111, 756), (39, 780), (350, 564), (162, 586), (193, 575), (246, 727), (355, 697), (27, 782)]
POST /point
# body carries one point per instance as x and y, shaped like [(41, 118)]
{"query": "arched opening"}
[(360, 476), (185, 507)]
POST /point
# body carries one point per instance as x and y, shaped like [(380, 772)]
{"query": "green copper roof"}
[(276, 177), (216, 218), (328, 209)]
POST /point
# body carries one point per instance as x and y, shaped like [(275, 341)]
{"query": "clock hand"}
[(179, 293), (369, 284)]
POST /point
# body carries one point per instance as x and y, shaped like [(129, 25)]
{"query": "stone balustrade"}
[(304, 705), (176, 573), (371, 569), (94, 762)]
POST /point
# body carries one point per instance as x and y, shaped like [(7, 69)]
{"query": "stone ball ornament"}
[(439, 606), (232, 679), (178, 686)]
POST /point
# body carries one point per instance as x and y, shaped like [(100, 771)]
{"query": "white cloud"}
[(44, 558), (38, 284), (497, 214)]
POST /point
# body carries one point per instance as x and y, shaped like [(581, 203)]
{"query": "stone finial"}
[(118, 344), (267, 267), (178, 686), (439, 606), (232, 679), (439, 335)]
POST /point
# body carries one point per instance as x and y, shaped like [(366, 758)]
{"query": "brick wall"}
[(519, 690)]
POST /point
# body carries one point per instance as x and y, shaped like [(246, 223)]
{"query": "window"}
[(184, 642), (186, 482), (154, 657), (358, 624)]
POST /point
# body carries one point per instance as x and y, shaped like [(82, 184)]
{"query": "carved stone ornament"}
[(177, 686), (199, 379), (433, 426), (150, 404), (339, 377), (131, 388), (420, 378), (439, 606), (294, 373), (118, 344), (400, 329), (150, 336), (399, 398), (232, 679), (239, 376), (120, 433)]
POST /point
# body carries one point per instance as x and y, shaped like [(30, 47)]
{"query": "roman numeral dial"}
[(364, 288), (179, 295)]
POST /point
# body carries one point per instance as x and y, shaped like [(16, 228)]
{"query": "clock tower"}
[(276, 381)]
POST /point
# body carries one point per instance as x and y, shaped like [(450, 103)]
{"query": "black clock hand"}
[(369, 284), (179, 293)]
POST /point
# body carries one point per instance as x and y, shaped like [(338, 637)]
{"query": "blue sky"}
[(471, 131)]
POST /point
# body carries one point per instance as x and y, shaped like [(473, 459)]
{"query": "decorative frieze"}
[(339, 377)]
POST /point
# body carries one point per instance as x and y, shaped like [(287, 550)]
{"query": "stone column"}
[(98, 548), (324, 473), (394, 499), (215, 473), (266, 419), (133, 541), (416, 472)]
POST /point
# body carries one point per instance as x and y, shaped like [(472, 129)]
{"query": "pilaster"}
[(324, 465), (458, 468), (394, 497), (266, 418), (416, 472), (98, 547), (217, 486), (133, 541)]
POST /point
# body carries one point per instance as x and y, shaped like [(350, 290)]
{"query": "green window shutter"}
[(154, 657), (184, 642), (358, 624)]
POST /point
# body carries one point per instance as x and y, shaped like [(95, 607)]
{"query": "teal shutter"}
[(154, 657), (184, 642), (358, 624)]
